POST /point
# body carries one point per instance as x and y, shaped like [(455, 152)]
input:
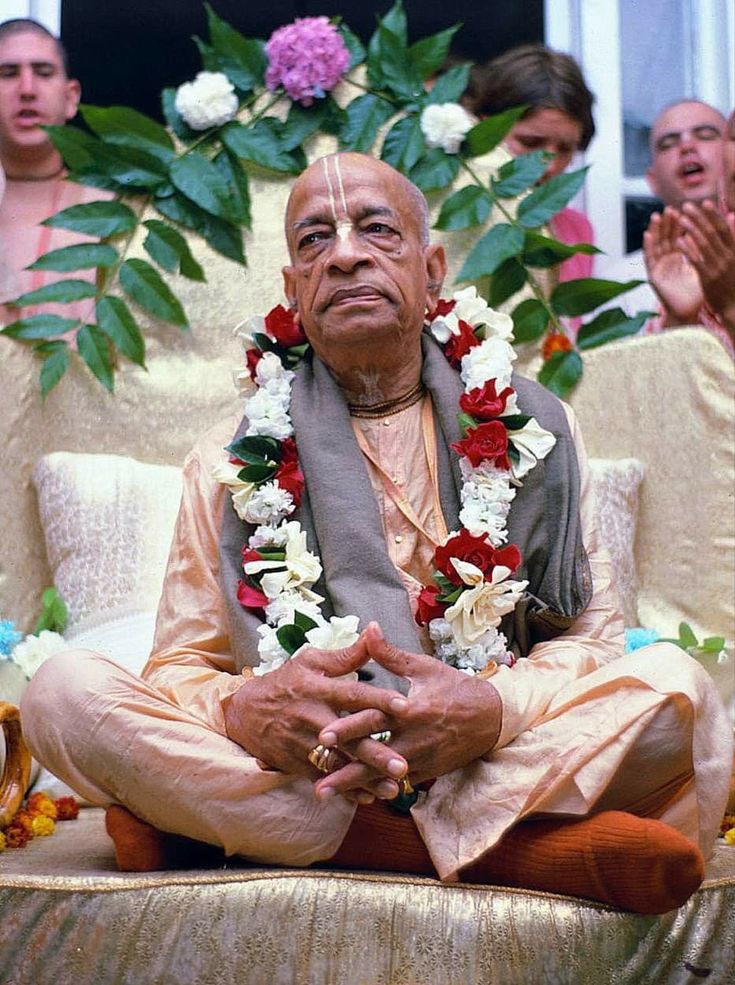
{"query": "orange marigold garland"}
[(37, 819)]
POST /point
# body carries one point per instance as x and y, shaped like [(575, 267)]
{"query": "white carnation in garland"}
[(208, 101), (338, 633), (271, 373), (280, 611), (267, 535), (268, 504), (272, 654), (267, 414), (36, 650), (486, 497), (445, 125), (492, 359)]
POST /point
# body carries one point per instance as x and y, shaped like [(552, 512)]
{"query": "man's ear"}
[(73, 95), (436, 271)]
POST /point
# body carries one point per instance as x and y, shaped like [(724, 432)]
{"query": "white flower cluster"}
[(36, 650), (208, 101), (492, 645), (486, 496), (446, 125)]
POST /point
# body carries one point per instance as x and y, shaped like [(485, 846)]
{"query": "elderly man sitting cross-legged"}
[(484, 724)]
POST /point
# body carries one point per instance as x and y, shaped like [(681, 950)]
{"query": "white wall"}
[(47, 12)]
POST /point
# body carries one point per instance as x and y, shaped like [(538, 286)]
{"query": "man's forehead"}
[(686, 116), (28, 47), (335, 185)]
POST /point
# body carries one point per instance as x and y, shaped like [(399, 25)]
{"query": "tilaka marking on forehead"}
[(343, 227)]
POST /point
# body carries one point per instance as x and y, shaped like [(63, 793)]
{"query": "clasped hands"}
[(448, 719)]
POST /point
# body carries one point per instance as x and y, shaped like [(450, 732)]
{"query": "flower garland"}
[(474, 587)]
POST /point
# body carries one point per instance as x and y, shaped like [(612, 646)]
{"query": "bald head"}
[(329, 170), (686, 152)]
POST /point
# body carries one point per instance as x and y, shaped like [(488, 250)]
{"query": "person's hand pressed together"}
[(451, 720), (673, 277), (708, 241)]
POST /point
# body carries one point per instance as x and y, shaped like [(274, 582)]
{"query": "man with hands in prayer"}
[(552, 761)]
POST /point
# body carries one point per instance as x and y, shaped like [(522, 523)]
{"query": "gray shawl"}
[(343, 525)]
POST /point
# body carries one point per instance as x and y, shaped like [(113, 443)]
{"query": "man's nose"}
[(348, 250), (27, 81)]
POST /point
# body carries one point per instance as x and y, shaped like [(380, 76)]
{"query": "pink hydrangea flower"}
[(307, 58)]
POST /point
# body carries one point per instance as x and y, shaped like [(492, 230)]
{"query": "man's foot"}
[(635, 863), (139, 847)]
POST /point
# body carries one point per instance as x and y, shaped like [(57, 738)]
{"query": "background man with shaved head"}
[(617, 765)]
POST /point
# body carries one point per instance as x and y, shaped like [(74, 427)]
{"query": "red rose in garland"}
[(460, 345), (487, 441), (484, 403), (428, 607), (282, 325), (466, 547), (442, 308), (252, 358), (289, 476), (249, 597)]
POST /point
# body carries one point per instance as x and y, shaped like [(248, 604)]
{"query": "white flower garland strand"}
[(467, 636)]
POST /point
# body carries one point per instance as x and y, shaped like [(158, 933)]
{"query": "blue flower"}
[(639, 637), (9, 636)]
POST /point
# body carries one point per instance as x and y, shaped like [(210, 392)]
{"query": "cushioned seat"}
[(67, 916)]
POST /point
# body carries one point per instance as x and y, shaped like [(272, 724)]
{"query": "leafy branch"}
[(198, 181)]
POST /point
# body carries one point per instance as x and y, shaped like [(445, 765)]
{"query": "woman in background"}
[(558, 120)]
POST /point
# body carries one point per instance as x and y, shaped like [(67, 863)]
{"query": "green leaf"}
[(712, 644), (170, 250), (543, 251), (549, 198), (404, 144), (499, 244), (450, 85), (38, 327), (506, 281), (115, 320), (238, 186), (144, 284), (304, 121), (98, 219), (686, 636), (62, 292), (94, 348), (465, 421), (470, 206), (608, 326), (174, 119), (221, 236), (435, 170), (262, 144), (304, 622), (515, 422), (429, 54), (54, 614), (364, 117), (488, 133), (577, 297), (291, 638), (530, 319), (81, 256), (353, 45), (396, 71), (79, 151), (129, 168), (257, 473), (255, 449), (55, 357), (519, 174), (127, 127), (203, 183), (561, 372), (242, 59)]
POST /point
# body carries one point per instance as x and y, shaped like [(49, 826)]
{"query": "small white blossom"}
[(474, 310), (208, 101), (445, 125), (440, 630), (268, 536), (482, 607), (267, 504), (532, 443), (340, 632), (35, 650), (492, 359), (267, 415), (280, 612), (272, 654), (299, 569), (271, 370)]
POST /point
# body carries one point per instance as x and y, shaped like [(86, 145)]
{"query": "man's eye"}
[(707, 133), (311, 238), (45, 71), (530, 143), (668, 142), (379, 227), (7, 72)]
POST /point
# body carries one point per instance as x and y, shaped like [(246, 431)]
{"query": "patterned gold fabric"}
[(67, 916)]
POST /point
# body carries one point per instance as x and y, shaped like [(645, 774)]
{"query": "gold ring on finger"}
[(322, 758)]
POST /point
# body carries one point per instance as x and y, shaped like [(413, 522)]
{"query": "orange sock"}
[(379, 838), (635, 863), (139, 847)]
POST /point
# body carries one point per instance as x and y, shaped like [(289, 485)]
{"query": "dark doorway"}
[(126, 53)]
